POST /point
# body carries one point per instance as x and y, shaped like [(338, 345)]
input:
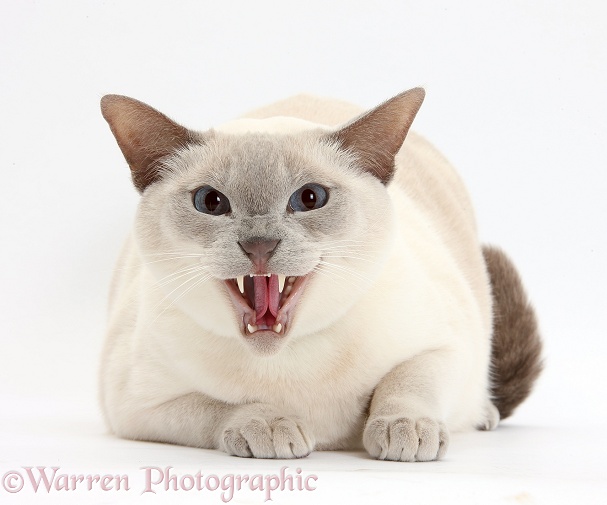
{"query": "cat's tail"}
[(516, 346)]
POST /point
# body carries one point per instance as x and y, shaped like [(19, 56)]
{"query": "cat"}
[(305, 279)]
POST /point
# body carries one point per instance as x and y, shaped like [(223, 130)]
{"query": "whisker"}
[(350, 256), (201, 278), (174, 253), (344, 246), (331, 275), (346, 240), (345, 270), (178, 287), (347, 282), (364, 251), (145, 263), (175, 258), (167, 279)]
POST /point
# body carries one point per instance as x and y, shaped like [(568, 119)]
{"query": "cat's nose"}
[(259, 252)]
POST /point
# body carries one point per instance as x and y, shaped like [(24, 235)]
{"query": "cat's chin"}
[(265, 326), (265, 342)]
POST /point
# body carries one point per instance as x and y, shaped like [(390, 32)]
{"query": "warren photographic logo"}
[(153, 479)]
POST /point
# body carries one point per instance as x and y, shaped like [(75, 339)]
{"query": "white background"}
[(516, 99)]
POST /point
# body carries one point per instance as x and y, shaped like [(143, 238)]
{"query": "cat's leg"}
[(250, 430), (405, 415)]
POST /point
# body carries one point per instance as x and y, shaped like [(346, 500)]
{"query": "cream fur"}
[(417, 330)]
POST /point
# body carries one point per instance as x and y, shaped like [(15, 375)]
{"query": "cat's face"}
[(254, 188), (260, 237)]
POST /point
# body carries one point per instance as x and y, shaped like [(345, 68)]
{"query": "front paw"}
[(264, 435), (397, 438)]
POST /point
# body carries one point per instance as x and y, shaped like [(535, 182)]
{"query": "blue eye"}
[(309, 197), (210, 201)]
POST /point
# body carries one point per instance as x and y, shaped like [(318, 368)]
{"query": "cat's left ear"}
[(144, 135), (375, 137)]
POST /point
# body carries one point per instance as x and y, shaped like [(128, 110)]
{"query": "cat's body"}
[(387, 342)]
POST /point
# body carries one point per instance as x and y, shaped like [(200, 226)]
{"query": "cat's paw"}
[(491, 420), (398, 438), (266, 436)]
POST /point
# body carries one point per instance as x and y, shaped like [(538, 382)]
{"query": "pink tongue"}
[(261, 295), (266, 295), (274, 294)]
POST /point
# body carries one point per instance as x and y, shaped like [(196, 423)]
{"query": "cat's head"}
[(263, 230)]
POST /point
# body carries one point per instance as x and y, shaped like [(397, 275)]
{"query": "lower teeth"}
[(253, 328)]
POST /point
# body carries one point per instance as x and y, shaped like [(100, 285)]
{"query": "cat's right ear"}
[(144, 135)]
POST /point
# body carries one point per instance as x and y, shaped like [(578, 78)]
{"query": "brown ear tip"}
[(418, 92), (108, 98), (106, 103)]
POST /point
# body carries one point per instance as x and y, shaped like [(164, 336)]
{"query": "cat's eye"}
[(309, 197), (210, 201)]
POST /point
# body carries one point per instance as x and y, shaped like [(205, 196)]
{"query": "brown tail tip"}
[(516, 346)]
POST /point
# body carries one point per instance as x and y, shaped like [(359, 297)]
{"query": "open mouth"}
[(265, 302)]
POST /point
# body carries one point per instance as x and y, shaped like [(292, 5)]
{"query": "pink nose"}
[(259, 252)]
